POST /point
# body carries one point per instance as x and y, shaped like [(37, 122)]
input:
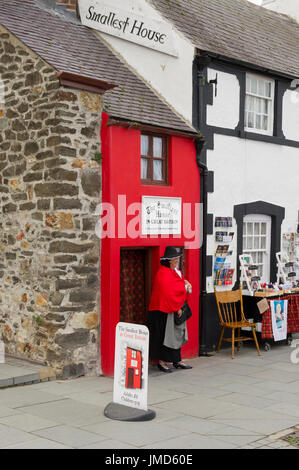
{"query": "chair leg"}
[(221, 338), (256, 341), (239, 334), (233, 343)]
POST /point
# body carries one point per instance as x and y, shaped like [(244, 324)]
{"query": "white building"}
[(233, 76)]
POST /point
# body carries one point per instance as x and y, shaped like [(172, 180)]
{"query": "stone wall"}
[(50, 173)]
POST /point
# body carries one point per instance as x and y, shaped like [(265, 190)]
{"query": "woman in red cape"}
[(168, 296)]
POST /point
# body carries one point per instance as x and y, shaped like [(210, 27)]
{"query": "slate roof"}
[(237, 29), (63, 42)]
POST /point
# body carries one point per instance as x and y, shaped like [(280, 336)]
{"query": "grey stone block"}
[(6, 383), (23, 379)]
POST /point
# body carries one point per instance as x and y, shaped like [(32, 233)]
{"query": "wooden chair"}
[(231, 315)]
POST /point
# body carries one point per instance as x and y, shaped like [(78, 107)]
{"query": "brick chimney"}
[(69, 4)]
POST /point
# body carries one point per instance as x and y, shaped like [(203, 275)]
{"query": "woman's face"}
[(278, 309), (174, 263)]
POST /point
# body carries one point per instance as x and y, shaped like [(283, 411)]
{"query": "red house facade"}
[(130, 260)]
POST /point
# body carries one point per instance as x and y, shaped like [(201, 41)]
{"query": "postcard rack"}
[(285, 270), (250, 281)]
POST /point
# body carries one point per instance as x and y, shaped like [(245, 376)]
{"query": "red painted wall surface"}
[(121, 176)]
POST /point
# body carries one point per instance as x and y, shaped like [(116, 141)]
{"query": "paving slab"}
[(249, 400), (282, 397), (109, 444), (25, 396), (136, 434), (191, 441), (26, 422), (239, 441), (202, 426), (82, 384), (68, 436), (11, 436), (66, 411), (6, 411), (38, 444), (285, 408), (93, 398), (259, 426), (199, 406)]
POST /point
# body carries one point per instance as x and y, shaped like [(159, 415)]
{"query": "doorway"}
[(135, 284)]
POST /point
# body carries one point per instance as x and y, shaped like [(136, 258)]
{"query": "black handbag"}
[(187, 313)]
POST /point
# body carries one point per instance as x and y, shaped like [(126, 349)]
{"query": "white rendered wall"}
[(225, 109), (290, 117), (248, 171), (288, 7), (171, 77)]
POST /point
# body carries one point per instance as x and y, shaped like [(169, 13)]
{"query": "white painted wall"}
[(288, 7), (253, 171), (171, 77), (246, 170), (225, 109), (290, 118)]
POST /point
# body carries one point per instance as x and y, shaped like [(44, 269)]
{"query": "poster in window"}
[(279, 311)]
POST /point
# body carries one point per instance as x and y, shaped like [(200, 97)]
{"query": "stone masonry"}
[(50, 174)]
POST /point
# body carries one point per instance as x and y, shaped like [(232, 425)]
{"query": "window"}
[(153, 159), (257, 241), (259, 104)]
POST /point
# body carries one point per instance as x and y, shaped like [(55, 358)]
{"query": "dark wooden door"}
[(134, 285)]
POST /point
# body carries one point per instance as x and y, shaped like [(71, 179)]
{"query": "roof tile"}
[(69, 46), (239, 30)]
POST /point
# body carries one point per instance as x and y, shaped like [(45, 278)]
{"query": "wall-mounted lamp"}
[(215, 82)]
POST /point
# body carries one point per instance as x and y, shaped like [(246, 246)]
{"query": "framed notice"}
[(161, 215)]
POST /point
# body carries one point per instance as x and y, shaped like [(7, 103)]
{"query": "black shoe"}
[(178, 365), (163, 369)]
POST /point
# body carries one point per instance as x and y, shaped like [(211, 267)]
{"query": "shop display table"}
[(264, 321)]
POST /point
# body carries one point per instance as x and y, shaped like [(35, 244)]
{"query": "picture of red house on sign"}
[(134, 369)]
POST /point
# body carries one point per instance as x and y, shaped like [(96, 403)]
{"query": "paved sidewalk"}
[(219, 404), (20, 372)]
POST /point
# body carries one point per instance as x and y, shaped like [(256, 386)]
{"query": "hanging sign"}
[(127, 25), (279, 311), (131, 365), (161, 215)]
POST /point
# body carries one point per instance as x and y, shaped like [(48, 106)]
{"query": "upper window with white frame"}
[(259, 104), (154, 159)]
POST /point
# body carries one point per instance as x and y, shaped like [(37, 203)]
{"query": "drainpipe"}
[(201, 62), (203, 251)]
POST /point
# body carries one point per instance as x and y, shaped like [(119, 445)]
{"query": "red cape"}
[(169, 292)]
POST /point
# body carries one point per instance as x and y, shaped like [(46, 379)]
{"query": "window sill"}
[(259, 132), (151, 183)]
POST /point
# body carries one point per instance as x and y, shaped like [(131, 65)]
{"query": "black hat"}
[(171, 253)]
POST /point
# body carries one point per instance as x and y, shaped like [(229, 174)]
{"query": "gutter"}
[(81, 82)]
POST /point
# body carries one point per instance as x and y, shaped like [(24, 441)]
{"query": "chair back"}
[(230, 306)]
